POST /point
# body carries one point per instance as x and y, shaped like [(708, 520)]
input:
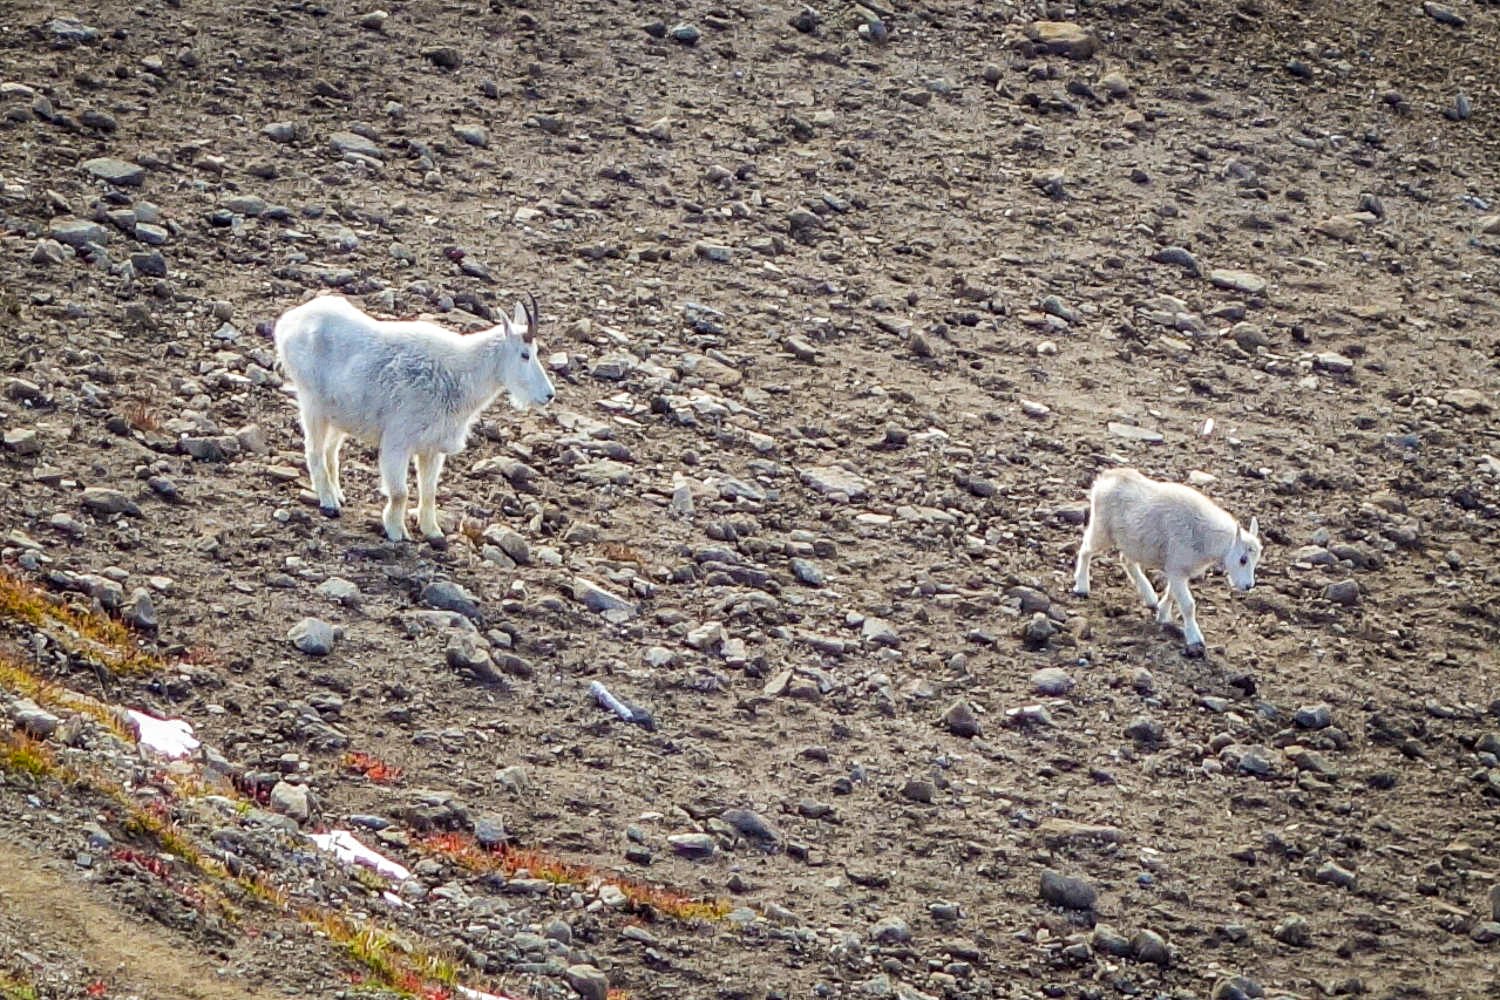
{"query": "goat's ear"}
[(520, 319), (1254, 527)]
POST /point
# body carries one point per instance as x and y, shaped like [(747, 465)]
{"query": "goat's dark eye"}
[(526, 356)]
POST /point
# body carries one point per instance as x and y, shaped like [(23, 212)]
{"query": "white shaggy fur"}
[(410, 388), (1168, 527)]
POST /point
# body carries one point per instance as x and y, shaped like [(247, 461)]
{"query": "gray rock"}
[(121, 173), (1067, 891), (1486, 933), (78, 233), (511, 543), (473, 135), (1131, 432), (614, 367), (1318, 716), (48, 251), (1237, 988), (685, 33), (489, 830), (248, 205), (152, 236), (919, 790), (23, 441), (466, 653), (597, 599), (1032, 600), (350, 142), (1333, 363), (1444, 15), (140, 612), (587, 981), (211, 448), (808, 572), (445, 595), (1345, 592), (806, 20), (1237, 281), (961, 720), (1038, 631), (29, 717), (694, 846), (832, 481), (150, 264), (752, 825), (103, 500), (879, 632), (280, 131), (889, 931), (1467, 401), (293, 801), (339, 590), (719, 253), (1294, 931), (1145, 731), (1110, 941), (1062, 38), (1052, 681), (312, 636), (66, 32), (1149, 946), (1334, 874)]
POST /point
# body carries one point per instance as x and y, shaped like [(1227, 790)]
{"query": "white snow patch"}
[(464, 991), (172, 738), (395, 900), (350, 851)]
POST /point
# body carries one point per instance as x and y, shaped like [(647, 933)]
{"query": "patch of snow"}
[(469, 994), (350, 851), (172, 738)]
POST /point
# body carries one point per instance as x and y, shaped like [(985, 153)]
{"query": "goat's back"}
[(371, 377), (1163, 525)]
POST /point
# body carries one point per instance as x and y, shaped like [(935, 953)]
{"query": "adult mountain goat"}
[(408, 387), (1169, 527)]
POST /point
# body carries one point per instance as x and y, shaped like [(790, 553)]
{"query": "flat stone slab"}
[(121, 173)]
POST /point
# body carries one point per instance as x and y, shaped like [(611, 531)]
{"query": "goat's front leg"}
[(393, 463), (429, 468), (1189, 608), (315, 436), (1081, 567)]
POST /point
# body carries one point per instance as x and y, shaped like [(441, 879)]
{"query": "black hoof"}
[(329, 511), (438, 542), (1193, 651)]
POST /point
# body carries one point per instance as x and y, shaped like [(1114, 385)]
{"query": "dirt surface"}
[(842, 329), (75, 935)]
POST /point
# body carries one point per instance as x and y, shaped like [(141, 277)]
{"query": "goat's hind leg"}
[(429, 468), (393, 465), (331, 462), (315, 436), (1143, 585)]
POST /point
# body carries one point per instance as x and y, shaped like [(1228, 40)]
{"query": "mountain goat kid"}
[(1170, 527), (410, 388)]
